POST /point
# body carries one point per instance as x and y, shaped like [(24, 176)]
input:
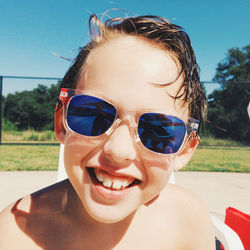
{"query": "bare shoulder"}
[(20, 222), (190, 217), (11, 235), (190, 204)]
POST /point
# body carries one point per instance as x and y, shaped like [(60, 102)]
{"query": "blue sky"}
[(31, 30)]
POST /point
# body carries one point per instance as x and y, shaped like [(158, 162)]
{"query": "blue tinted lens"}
[(88, 115), (161, 133)]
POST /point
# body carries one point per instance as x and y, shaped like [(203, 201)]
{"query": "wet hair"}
[(158, 31)]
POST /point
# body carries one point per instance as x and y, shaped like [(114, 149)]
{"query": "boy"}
[(124, 117)]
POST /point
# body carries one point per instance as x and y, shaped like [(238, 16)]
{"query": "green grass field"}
[(28, 157), (45, 157), (220, 159)]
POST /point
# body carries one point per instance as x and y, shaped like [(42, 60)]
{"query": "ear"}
[(58, 124), (185, 156)]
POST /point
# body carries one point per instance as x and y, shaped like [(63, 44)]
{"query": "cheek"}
[(78, 148), (158, 172)]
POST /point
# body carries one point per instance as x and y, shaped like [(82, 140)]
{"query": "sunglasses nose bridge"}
[(132, 123), (130, 120), (119, 145), (127, 119)]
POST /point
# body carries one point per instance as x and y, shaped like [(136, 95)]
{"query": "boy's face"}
[(123, 71)]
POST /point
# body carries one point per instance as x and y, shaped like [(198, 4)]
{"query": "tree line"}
[(227, 107), (32, 109)]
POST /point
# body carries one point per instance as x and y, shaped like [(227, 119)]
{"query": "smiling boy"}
[(128, 117)]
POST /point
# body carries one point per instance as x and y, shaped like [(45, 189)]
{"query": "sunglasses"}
[(92, 116)]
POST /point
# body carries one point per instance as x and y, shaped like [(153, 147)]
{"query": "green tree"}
[(32, 109), (227, 107)]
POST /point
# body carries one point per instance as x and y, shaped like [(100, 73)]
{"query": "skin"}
[(153, 214)]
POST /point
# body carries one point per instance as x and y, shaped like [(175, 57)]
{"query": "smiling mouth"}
[(111, 182)]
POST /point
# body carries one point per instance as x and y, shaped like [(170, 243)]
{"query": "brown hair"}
[(162, 33)]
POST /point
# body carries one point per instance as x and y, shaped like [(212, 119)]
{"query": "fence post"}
[(1, 103)]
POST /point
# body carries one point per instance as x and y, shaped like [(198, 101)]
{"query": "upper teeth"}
[(114, 182)]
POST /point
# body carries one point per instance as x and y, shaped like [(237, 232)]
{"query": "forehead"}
[(133, 72)]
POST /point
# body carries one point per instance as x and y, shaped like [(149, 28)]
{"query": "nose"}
[(120, 147)]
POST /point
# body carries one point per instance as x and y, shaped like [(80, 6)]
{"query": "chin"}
[(108, 212), (108, 215)]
